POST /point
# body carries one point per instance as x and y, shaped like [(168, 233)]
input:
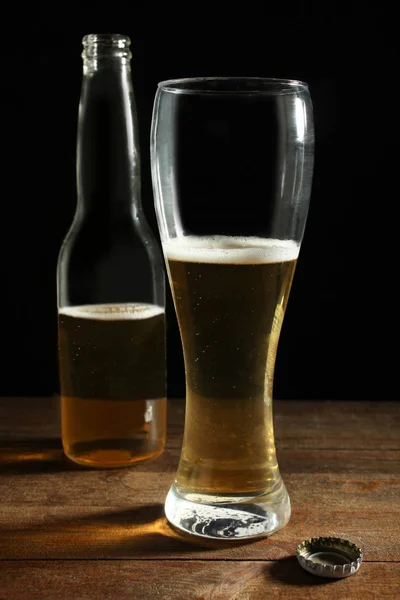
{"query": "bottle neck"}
[(108, 160)]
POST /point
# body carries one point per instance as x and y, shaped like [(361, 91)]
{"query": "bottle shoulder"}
[(97, 231), (92, 242), (99, 263)]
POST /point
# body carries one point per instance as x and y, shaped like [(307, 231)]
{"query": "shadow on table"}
[(33, 456), (140, 532), (41, 456), (288, 570)]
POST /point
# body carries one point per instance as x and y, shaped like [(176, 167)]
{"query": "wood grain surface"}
[(70, 532)]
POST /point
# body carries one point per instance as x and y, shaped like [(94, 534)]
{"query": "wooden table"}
[(67, 532)]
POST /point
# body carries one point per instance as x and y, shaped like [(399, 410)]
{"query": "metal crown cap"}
[(329, 557)]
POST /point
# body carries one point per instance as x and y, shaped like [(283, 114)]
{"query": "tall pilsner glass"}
[(232, 162)]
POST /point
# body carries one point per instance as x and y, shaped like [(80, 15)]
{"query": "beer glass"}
[(232, 162)]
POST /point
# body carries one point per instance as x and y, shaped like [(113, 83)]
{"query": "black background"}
[(340, 325)]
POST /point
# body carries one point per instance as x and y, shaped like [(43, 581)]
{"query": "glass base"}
[(228, 518)]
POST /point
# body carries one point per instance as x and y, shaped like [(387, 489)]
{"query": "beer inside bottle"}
[(230, 296), (112, 370)]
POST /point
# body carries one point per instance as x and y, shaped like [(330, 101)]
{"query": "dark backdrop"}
[(337, 335)]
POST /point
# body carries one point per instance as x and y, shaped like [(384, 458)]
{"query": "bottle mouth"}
[(107, 45)]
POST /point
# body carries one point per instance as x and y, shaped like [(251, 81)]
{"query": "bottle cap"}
[(329, 557)]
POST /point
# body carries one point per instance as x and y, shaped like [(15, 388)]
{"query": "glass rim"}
[(261, 85)]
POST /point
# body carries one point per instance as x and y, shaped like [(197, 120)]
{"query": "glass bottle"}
[(110, 280)]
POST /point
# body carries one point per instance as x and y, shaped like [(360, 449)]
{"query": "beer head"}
[(112, 312), (230, 250)]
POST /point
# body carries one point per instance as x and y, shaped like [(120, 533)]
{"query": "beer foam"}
[(233, 250), (112, 312)]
